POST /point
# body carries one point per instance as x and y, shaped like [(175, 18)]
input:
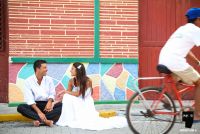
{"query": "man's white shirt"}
[(173, 54), (35, 92)]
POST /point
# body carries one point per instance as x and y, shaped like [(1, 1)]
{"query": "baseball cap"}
[(193, 13)]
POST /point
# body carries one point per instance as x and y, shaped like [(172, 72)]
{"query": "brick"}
[(127, 7), (57, 27), (52, 6), (21, 15), (62, 21), (15, 4), (107, 22), (78, 6), (47, 50), (107, 12), (85, 28), (110, 33), (17, 27), (73, 17), (67, 15), (60, 41), (20, 49), (40, 21), (39, 41), (79, 32), (130, 33), (76, 50), (18, 20), (127, 22), (46, 16), (106, 56), (83, 42), (23, 54), (53, 32), (30, 5), (48, 10), (20, 10), (120, 56), (38, 27), (84, 21), (16, 41), (24, 32)]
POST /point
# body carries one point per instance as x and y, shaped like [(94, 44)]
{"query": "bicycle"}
[(153, 106)]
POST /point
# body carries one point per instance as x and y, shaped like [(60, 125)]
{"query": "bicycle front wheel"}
[(146, 114)]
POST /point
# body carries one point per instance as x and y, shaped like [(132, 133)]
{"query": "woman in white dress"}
[(78, 110)]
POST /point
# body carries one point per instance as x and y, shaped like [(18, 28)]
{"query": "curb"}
[(13, 117), (19, 117)]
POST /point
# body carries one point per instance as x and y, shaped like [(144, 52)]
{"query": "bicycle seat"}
[(163, 69)]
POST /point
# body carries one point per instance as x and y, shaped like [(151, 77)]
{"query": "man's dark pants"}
[(28, 111)]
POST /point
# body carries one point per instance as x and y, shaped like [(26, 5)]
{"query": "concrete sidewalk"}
[(13, 123), (105, 110), (27, 128), (21, 126)]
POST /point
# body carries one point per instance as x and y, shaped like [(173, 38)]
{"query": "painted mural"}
[(110, 81)]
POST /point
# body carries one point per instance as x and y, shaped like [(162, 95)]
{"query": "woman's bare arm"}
[(89, 84), (70, 85), (77, 93), (69, 88)]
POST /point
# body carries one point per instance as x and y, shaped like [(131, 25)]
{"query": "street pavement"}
[(17, 127)]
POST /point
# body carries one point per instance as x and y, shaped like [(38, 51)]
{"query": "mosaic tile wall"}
[(110, 81)]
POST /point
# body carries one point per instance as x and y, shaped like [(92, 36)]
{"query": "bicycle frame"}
[(168, 80), (138, 90)]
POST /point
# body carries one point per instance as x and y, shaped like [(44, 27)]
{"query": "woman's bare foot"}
[(49, 123), (36, 123)]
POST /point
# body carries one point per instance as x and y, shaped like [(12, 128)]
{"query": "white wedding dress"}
[(80, 113)]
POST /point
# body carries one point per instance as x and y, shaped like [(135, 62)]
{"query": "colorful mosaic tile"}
[(119, 94), (110, 81), (115, 71)]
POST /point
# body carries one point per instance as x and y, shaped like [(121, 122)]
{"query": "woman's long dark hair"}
[(81, 78)]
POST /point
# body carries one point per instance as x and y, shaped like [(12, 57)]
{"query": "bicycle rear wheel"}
[(145, 120)]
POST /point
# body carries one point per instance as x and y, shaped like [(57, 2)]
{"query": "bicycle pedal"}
[(167, 106)]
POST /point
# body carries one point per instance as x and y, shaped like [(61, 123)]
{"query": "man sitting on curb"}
[(39, 93)]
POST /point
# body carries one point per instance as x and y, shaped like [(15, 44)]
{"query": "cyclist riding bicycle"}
[(178, 47)]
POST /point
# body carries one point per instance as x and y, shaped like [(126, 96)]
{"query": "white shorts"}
[(188, 76)]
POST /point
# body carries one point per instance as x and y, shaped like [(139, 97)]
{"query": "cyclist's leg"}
[(197, 101), (191, 76), (176, 79), (188, 76)]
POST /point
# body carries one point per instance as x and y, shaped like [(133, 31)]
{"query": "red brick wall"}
[(119, 28), (65, 28), (57, 28)]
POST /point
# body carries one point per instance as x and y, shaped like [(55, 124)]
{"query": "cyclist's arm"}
[(194, 58)]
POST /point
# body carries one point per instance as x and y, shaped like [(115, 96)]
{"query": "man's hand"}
[(42, 116), (49, 106)]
